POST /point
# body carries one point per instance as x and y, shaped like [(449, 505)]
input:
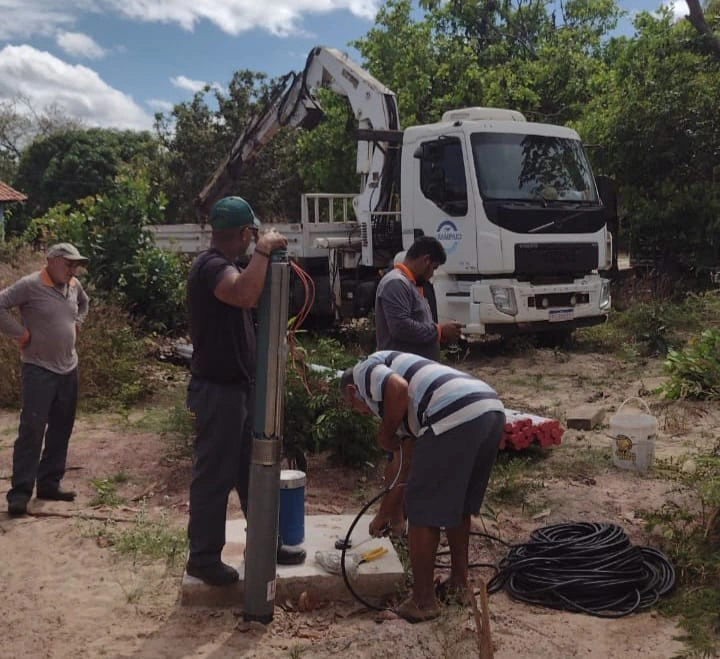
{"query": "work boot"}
[(17, 507), (214, 574), (290, 555), (55, 494)]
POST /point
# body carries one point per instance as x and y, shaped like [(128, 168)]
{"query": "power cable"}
[(585, 567)]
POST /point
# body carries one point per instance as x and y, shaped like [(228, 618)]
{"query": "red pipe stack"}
[(522, 430)]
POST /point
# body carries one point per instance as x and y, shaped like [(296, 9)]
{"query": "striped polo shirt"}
[(439, 397)]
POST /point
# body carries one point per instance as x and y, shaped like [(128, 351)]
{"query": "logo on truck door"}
[(449, 235)]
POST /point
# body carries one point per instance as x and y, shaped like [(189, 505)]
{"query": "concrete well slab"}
[(376, 580)]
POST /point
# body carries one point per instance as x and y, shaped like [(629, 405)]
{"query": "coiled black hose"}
[(585, 567)]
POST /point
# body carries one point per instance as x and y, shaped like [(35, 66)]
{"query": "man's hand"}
[(388, 441), (24, 340), (450, 332), (270, 241)]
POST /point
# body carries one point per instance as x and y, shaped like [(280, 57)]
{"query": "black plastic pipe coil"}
[(585, 567)]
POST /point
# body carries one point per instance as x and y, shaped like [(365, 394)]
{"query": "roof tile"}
[(8, 194)]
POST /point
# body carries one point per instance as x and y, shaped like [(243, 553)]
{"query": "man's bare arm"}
[(395, 404)]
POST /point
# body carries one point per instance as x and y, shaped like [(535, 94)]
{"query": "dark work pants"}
[(48, 412), (221, 461)]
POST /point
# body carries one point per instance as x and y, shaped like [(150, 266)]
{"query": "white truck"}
[(514, 204)]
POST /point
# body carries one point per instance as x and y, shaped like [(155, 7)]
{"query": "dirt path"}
[(67, 594)]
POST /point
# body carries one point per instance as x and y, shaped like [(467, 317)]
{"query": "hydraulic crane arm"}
[(294, 104)]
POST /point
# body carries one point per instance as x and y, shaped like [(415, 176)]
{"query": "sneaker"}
[(290, 555), (56, 494), (17, 507), (215, 574)]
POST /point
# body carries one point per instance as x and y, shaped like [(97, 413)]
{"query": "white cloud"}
[(280, 17), (79, 45), (190, 85), (77, 90), (183, 82), (678, 8), (24, 18), (160, 105)]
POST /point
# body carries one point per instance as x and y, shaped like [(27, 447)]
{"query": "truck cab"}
[(516, 207)]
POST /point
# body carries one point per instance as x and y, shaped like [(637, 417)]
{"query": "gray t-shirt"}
[(50, 313), (403, 320)]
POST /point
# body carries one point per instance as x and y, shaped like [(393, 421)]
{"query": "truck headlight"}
[(504, 299), (605, 296)]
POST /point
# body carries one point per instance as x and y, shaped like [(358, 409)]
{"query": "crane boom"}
[(294, 104)]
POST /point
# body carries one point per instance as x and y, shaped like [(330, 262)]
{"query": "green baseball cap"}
[(232, 213)]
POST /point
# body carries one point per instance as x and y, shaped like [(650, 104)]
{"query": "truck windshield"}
[(518, 167)]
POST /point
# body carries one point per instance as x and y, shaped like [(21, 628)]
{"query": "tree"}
[(697, 20), (659, 132), (66, 166), (198, 134), (466, 53), (20, 124)]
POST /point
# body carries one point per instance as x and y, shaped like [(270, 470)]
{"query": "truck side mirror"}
[(419, 151)]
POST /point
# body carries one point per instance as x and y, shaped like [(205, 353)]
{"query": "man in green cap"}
[(220, 299), (52, 306)]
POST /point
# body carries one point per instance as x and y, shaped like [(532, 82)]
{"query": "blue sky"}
[(113, 63)]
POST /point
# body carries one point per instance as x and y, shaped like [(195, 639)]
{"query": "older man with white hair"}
[(52, 304)]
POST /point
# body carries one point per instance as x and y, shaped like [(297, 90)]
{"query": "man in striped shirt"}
[(455, 424)]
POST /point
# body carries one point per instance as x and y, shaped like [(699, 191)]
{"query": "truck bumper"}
[(507, 306)]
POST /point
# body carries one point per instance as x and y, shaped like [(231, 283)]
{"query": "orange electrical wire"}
[(308, 301)]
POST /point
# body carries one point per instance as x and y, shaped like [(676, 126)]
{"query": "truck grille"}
[(555, 258)]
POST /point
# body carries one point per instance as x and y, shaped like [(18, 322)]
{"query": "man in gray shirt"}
[(52, 305), (403, 320)]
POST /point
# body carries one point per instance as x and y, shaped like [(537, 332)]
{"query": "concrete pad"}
[(376, 580), (585, 417)]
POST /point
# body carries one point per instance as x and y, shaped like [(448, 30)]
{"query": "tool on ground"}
[(373, 554)]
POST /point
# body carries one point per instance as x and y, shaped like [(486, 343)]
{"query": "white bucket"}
[(633, 435)]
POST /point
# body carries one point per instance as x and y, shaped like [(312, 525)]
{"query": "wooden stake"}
[(485, 644)]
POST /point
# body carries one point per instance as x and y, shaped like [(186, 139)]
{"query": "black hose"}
[(346, 545), (585, 567), (471, 566)]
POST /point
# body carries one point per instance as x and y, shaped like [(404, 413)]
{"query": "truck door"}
[(443, 205)]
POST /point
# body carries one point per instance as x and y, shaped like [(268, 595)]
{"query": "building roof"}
[(8, 194)]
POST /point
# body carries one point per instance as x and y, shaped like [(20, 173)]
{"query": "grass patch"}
[(577, 464), (514, 479), (106, 490), (147, 539), (690, 536)]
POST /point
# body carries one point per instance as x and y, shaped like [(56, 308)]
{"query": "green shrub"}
[(316, 419), (695, 371), (113, 366), (60, 224)]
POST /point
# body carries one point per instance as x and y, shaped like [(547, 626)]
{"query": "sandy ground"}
[(66, 594)]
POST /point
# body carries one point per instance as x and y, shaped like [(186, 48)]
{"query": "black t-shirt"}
[(223, 336)]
